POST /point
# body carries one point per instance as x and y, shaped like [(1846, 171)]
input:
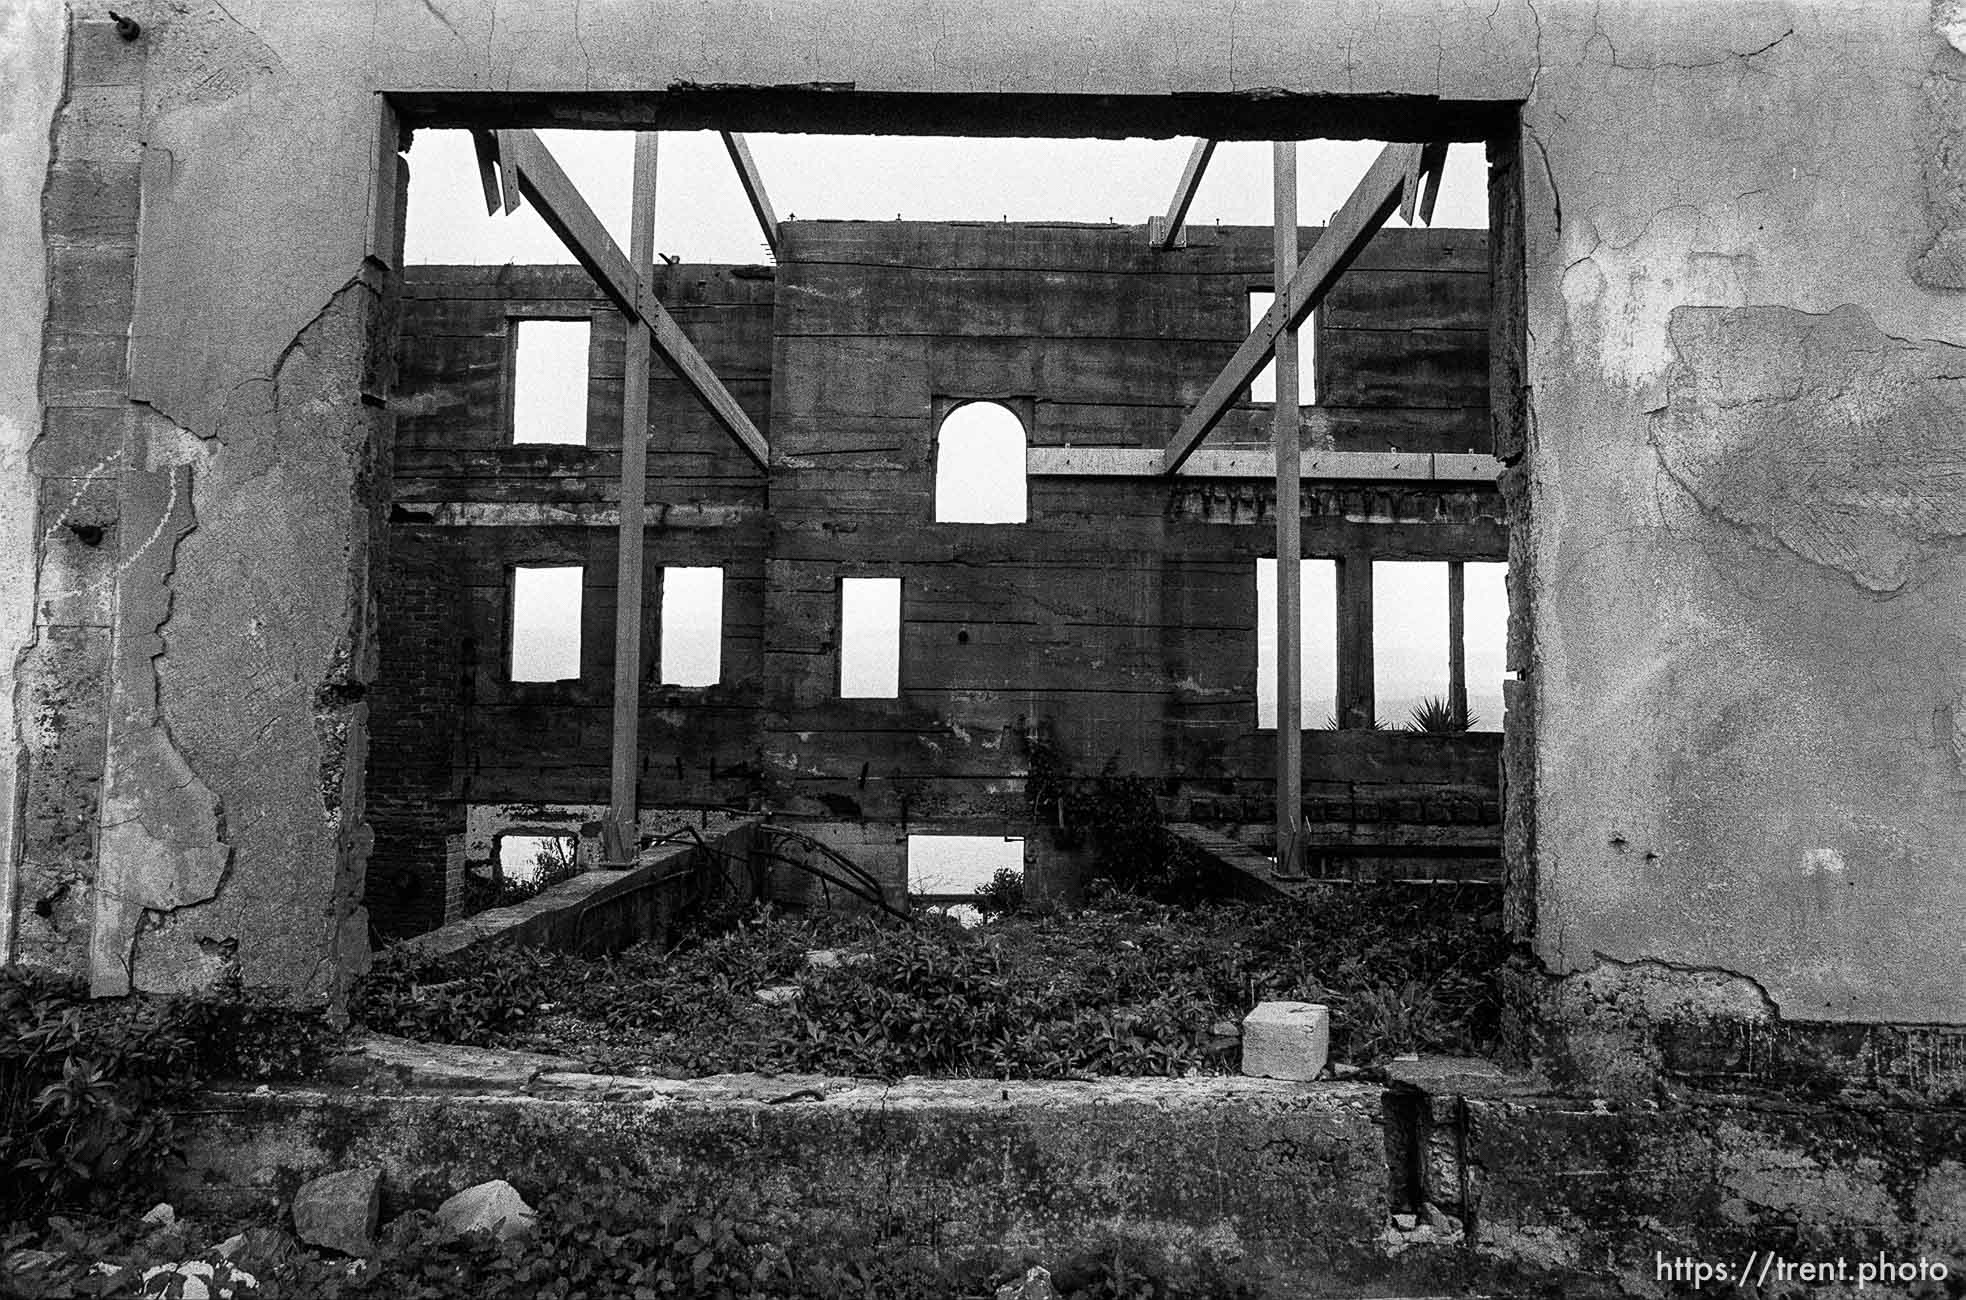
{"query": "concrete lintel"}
[(1260, 462)]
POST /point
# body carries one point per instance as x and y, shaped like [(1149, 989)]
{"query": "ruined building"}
[(264, 508)]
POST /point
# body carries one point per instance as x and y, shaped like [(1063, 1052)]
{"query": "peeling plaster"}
[(32, 44), (1941, 264), (1820, 435), (162, 842)]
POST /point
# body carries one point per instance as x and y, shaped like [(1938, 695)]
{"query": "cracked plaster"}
[(31, 53)]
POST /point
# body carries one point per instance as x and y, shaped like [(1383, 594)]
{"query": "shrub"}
[(80, 1088), (1003, 895)]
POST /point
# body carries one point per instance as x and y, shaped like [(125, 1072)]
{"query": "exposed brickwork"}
[(423, 687)]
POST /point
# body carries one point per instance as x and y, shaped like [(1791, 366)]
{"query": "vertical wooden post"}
[(634, 496), (1290, 536), (1457, 649)]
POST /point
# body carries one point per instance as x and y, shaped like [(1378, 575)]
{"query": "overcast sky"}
[(701, 214)]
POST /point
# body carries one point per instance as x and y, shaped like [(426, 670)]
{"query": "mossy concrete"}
[(1301, 1189)]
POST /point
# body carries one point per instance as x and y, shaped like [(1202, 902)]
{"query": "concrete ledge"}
[(603, 910), (1458, 1178), (1285, 1182)]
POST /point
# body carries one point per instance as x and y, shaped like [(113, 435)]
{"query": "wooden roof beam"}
[(1398, 168), (754, 187), (524, 155), (1170, 231)]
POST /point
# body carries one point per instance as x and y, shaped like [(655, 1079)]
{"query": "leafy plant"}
[(1435, 714), (1003, 894), (81, 1084)]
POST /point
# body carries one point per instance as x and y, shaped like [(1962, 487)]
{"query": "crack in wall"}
[(162, 841)]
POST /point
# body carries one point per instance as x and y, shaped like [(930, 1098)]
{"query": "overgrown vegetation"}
[(601, 1232), (1124, 987), (83, 1082), (1117, 815)]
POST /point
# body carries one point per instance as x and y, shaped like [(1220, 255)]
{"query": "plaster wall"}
[(1742, 227), (33, 46)]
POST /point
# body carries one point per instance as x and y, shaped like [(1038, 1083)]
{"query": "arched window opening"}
[(979, 466)]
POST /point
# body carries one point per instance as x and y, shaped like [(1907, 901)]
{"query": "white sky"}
[(546, 623), (1318, 649), (870, 638), (959, 864), (702, 216), (692, 626)]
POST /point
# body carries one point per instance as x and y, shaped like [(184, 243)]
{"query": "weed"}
[(1437, 715)]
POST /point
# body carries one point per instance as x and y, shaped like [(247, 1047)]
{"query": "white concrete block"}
[(1286, 1040)]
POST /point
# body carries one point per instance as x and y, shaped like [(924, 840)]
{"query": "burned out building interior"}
[(339, 587), (944, 403)]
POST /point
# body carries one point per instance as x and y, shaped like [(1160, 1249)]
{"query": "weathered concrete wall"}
[(1122, 615), (1290, 1188), (1749, 381), (448, 725), (1743, 576), (33, 41)]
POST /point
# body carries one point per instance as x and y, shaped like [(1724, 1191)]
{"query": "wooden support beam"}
[(1351, 229), (626, 765), (1170, 231), (1457, 645), (1290, 536), (563, 209), (754, 187), (490, 177)]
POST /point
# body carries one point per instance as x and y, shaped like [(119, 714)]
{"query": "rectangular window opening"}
[(870, 638), (1318, 657), (546, 623), (1410, 669), (1485, 633), (549, 381), (525, 859), (692, 635), (952, 868), (1264, 387)]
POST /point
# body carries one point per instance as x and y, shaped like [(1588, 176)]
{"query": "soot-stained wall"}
[(451, 727), (1122, 615), (1119, 619)]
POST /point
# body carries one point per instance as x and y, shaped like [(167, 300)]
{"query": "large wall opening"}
[(741, 607)]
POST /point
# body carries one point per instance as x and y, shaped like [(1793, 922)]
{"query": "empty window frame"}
[(1264, 387), (870, 638), (1422, 679), (523, 859), (1485, 631), (959, 866), (979, 466), (692, 627), (549, 381), (545, 641), (1318, 657), (1410, 670)]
